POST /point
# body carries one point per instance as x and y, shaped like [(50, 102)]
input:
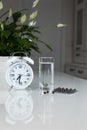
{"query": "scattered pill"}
[(62, 90)]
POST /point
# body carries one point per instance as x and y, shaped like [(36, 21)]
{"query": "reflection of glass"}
[(19, 105), (46, 72), (45, 108)]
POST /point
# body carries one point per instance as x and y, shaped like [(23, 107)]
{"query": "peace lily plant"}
[(18, 31)]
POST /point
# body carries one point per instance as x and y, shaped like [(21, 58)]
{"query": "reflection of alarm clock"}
[(19, 105), (19, 73)]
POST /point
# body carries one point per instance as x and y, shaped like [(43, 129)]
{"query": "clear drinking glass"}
[(46, 73)]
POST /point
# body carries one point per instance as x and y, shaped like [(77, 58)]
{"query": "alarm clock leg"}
[(11, 88)]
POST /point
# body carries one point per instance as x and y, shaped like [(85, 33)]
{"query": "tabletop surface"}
[(31, 109)]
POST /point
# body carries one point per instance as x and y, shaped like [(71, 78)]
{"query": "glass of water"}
[(46, 73)]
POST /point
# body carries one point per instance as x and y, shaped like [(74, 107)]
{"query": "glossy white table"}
[(30, 109)]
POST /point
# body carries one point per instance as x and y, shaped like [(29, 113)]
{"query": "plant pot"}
[(3, 68)]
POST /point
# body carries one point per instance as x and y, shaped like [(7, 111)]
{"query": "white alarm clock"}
[(19, 72)]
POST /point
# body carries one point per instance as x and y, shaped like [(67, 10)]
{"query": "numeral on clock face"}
[(20, 66), (12, 75)]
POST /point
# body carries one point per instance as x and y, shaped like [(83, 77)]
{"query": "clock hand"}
[(19, 77), (19, 80), (25, 75)]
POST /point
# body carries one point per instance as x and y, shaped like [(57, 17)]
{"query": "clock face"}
[(19, 75)]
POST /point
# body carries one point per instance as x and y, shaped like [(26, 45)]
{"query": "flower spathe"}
[(33, 15), (32, 23), (23, 19), (1, 5), (35, 3), (59, 25), (10, 12), (2, 26)]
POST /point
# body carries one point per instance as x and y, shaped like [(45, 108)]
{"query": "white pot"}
[(3, 63), (3, 68)]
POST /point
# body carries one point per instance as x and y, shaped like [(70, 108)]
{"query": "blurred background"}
[(69, 43)]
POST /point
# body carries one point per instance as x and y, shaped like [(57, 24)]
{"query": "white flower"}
[(30, 40), (10, 12), (61, 25), (33, 15), (35, 3), (1, 5), (32, 23), (23, 19)]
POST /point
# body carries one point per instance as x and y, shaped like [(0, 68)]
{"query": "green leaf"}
[(35, 48), (11, 26), (6, 33), (16, 16), (23, 28)]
